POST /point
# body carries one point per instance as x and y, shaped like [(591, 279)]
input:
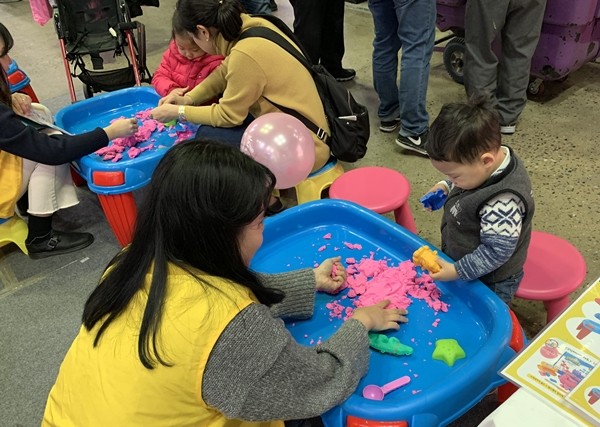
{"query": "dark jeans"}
[(506, 289), (229, 136)]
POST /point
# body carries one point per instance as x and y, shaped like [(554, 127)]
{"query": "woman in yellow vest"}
[(181, 332), (37, 162)]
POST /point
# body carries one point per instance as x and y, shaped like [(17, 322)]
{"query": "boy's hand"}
[(435, 198), (330, 275), (446, 273)]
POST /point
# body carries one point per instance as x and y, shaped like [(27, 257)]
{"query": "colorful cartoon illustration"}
[(550, 349)]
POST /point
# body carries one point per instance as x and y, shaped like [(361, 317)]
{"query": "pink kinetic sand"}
[(147, 127), (371, 281)]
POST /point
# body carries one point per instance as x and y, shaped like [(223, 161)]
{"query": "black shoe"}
[(389, 125), (275, 208), (344, 75), (272, 5), (414, 143), (57, 243)]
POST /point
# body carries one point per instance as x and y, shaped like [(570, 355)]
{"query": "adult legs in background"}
[(230, 136), (483, 23), (319, 25), (505, 79), (410, 25), (519, 41)]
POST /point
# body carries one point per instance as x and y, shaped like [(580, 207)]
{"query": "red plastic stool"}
[(379, 189), (553, 269)]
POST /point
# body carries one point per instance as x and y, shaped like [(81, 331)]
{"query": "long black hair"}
[(224, 15), (7, 39), (4, 86), (201, 197)]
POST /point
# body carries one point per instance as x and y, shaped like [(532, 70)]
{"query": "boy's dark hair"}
[(224, 15), (201, 197), (462, 131), (7, 38)]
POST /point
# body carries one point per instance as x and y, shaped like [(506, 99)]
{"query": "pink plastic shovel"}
[(374, 392)]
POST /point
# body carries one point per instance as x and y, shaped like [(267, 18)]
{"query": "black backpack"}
[(348, 120)]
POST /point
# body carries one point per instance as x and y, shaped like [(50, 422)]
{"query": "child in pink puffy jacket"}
[(184, 64)]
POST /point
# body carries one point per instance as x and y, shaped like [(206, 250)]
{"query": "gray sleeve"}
[(299, 287), (258, 372)]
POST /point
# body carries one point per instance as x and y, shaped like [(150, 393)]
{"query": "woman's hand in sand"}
[(165, 113), (379, 318), (330, 275)]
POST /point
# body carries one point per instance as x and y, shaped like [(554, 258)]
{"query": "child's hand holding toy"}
[(435, 198), (447, 271), (438, 269), (330, 275)]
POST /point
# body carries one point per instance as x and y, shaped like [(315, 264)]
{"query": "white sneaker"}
[(508, 129)]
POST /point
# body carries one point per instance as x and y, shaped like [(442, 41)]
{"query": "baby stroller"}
[(98, 28), (570, 37)]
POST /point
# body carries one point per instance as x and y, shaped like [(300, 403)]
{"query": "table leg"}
[(404, 217), (121, 212)]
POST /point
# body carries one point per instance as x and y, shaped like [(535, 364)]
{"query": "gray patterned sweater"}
[(258, 372)]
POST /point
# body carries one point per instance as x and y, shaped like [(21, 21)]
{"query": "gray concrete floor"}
[(556, 138)]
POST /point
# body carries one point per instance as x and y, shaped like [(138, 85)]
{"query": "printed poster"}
[(562, 364)]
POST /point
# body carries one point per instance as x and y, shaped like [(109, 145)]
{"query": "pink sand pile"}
[(114, 151), (371, 281)]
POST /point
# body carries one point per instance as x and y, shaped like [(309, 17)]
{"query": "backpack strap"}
[(273, 36)]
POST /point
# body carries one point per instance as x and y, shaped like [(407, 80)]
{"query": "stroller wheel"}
[(454, 59), (88, 91)]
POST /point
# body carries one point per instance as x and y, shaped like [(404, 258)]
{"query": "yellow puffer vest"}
[(107, 385)]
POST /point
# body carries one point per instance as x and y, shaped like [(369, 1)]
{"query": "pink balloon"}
[(283, 144)]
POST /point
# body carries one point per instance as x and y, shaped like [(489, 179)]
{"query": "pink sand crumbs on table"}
[(327, 236), (349, 245)]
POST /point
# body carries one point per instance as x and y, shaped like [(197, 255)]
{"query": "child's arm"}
[(162, 80), (501, 220)]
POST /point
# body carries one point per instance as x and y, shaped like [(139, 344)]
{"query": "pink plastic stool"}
[(379, 189), (553, 269)]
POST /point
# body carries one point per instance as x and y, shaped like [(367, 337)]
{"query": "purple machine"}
[(570, 37)]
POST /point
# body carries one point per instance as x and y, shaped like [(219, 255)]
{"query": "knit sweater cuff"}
[(299, 288)]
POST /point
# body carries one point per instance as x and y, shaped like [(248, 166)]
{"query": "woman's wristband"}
[(181, 114)]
